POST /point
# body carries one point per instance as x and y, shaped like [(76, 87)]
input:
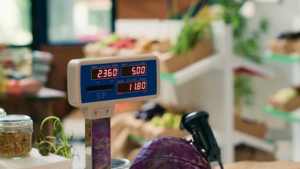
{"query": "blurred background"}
[(238, 60)]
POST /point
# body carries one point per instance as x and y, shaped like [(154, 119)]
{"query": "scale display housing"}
[(85, 89)]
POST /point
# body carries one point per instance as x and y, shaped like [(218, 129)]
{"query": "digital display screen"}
[(132, 87), (134, 70), (99, 88), (104, 73)]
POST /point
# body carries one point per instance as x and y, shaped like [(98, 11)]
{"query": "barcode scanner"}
[(196, 123)]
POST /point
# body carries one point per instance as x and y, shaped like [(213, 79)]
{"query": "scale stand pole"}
[(97, 143), (97, 137)]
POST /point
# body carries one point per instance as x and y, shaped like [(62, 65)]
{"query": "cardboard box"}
[(281, 46), (149, 131), (296, 45), (246, 153), (263, 165), (148, 9), (202, 50), (141, 128), (288, 106), (252, 128), (171, 63)]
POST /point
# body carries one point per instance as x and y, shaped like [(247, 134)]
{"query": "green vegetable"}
[(155, 120), (61, 147), (176, 121), (194, 29), (286, 94), (167, 120), (108, 40)]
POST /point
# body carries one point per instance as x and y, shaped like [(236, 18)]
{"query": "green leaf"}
[(264, 25), (41, 136), (58, 126), (71, 137), (43, 150)]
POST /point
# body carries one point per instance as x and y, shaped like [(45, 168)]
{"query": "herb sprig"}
[(62, 148)]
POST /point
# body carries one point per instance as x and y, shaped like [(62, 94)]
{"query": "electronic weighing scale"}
[(96, 85)]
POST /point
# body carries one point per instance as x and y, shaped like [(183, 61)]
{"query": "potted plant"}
[(61, 145)]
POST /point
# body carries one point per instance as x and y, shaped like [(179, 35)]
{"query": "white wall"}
[(282, 18)]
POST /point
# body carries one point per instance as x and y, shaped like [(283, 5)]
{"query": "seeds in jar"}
[(15, 144)]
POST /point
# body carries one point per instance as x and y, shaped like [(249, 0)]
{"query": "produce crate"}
[(255, 129), (149, 9), (288, 106), (171, 63)]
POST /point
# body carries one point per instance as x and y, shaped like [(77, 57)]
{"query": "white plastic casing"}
[(102, 109)]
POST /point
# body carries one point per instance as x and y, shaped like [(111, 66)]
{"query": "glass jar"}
[(15, 135), (120, 163)]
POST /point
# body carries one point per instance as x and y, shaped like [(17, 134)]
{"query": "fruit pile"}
[(28, 86), (287, 99), (115, 45), (168, 120), (159, 116), (21, 71)]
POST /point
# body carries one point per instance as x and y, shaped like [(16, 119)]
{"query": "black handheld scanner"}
[(196, 123)]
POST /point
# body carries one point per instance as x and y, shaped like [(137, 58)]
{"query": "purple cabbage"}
[(169, 153)]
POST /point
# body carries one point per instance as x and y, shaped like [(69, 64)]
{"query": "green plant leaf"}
[(61, 139), (43, 149)]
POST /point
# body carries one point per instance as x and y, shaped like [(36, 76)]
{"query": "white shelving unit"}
[(292, 63), (296, 126), (242, 138), (208, 85), (197, 69)]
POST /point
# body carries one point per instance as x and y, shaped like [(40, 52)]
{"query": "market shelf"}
[(281, 58), (192, 71), (243, 138), (291, 117), (212, 62), (256, 69)]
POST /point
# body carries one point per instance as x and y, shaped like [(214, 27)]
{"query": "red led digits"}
[(143, 70), (115, 72), (104, 73), (143, 85), (100, 74), (134, 70), (132, 87)]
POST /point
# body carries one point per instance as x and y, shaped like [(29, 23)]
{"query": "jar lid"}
[(15, 121), (2, 112)]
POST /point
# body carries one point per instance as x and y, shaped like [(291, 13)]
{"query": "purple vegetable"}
[(169, 153)]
